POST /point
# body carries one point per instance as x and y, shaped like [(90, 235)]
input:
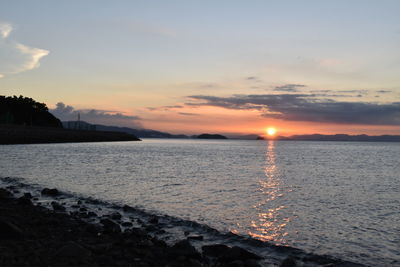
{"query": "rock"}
[(214, 250), (57, 207), (237, 253), (251, 263), (318, 259), (151, 228), (153, 220), (110, 226), (195, 237), (288, 262), (4, 193), (127, 208), (50, 192), (184, 248), (115, 216), (24, 201), (160, 232), (72, 250), (28, 195), (9, 230), (236, 263), (126, 224), (91, 214)]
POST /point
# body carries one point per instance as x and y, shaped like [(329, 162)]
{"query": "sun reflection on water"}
[(271, 222)]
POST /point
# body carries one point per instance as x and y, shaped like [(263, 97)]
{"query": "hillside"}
[(26, 111)]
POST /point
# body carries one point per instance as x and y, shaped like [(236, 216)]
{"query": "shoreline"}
[(17, 134), (135, 230)]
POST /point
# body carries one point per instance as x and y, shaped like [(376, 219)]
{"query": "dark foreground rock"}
[(58, 236), (35, 236)]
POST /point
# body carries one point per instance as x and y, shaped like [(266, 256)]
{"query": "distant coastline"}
[(339, 137)]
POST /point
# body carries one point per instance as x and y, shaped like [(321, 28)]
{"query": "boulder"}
[(195, 237), (153, 220), (237, 253), (50, 192), (28, 195), (214, 250), (57, 207), (110, 226), (127, 224), (127, 208), (288, 262), (184, 248), (115, 216)]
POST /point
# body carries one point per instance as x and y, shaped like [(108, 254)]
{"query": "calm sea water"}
[(335, 198)]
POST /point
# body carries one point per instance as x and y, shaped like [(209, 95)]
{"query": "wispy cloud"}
[(188, 114), (306, 107), (113, 118), (383, 91), (16, 57), (5, 29), (289, 87)]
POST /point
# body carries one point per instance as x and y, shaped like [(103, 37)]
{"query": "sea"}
[(330, 198)]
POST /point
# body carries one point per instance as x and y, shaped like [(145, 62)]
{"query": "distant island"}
[(211, 136)]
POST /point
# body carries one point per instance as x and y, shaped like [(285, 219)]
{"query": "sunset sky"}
[(229, 67)]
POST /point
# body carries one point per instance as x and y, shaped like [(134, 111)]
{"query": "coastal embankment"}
[(18, 134), (47, 227)]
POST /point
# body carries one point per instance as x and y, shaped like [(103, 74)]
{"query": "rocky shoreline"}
[(56, 233)]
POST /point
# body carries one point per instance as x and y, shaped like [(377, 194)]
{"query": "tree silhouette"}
[(26, 111)]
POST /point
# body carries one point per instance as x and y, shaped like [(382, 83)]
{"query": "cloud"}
[(5, 29), (112, 118), (164, 108), (383, 91), (253, 79), (305, 107), (188, 114), (289, 87), (16, 57)]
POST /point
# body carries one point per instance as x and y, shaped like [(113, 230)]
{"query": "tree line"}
[(22, 110)]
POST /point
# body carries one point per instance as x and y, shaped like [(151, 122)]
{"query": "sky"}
[(228, 67)]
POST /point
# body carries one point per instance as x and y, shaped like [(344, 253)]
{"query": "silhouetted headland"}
[(18, 134), (26, 121), (26, 111), (211, 136)]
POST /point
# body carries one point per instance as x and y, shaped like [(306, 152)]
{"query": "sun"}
[(271, 131)]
